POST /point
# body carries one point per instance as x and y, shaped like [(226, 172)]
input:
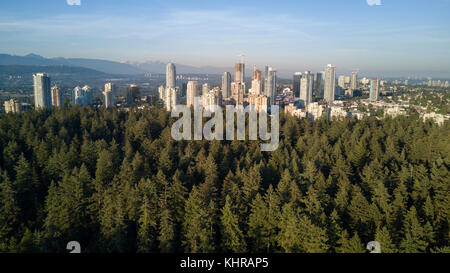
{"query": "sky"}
[(384, 37)]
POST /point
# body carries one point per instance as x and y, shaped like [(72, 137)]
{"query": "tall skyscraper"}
[(172, 98), (341, 81), (191, 93), (237, 92), (270, 89), (57, 100), (306, 85), (256, 82), (109, 93), (82, 96), (354, 81), (42, 91), (133, 92), (171, 75), (330, 83), (374, 90), (238, 86), (162, 92), (88, 96), (226, 84), (239, 73), (296, 85), (318, 85), (206, 87)]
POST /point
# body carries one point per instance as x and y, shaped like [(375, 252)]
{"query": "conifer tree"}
[(232, 236)]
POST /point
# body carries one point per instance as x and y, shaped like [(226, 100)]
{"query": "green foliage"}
[(116, 182)]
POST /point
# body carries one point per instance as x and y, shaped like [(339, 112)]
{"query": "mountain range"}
[(105, 66)]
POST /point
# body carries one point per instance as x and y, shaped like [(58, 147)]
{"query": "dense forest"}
[(117, 182)]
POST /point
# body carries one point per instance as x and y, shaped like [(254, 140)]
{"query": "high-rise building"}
[(109, 93), (238, 86), (318, 85), (12, 106), (226, 84), (270, 90), (354, 81), (347, 82), (162, 92), (133, 92), (172, 98), (206, 87), (306, 86), (191, 93), (217, 92), (77, 96), (170, 75), (296, 83), (237, 92), (88, 96), (341, 81), (82, 96), (239, 73), (42, 91), (258, 102), (330, 83), (374, 90), (256, 82), (57, 100)]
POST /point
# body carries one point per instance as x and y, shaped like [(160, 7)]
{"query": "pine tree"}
[(147, 225), (166, 232), (414, 240), (384, 238), (197, 226), (289, 238), (352, 245), (9, 209), (232, 236)]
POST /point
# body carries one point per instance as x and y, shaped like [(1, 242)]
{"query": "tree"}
[(414, 240), (384, 238), (9, 209), (166, 232), (198, 224), (263, 221), (232, 235), (352, 245)]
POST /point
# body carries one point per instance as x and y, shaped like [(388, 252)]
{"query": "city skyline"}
[(349, 34)]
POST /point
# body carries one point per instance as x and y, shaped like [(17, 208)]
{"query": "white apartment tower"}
[(330, 83)]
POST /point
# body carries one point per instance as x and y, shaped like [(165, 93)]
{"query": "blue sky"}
[(398, 37)]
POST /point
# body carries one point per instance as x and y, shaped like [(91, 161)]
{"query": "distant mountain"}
[(100, 65), (27, 70), (111, 67), (21, 75), (160, 67)]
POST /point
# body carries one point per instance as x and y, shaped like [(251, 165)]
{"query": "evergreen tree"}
[(232, 236)]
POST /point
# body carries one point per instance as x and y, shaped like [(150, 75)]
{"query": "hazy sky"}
[(399, 37)]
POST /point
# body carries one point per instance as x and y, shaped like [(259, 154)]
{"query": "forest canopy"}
[(116, 181)]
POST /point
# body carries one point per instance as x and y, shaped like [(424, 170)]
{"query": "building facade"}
[(171, 75), (57, 100), (226, 85), (374, 90), (192, 92), (330, 83), (42, 91)]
